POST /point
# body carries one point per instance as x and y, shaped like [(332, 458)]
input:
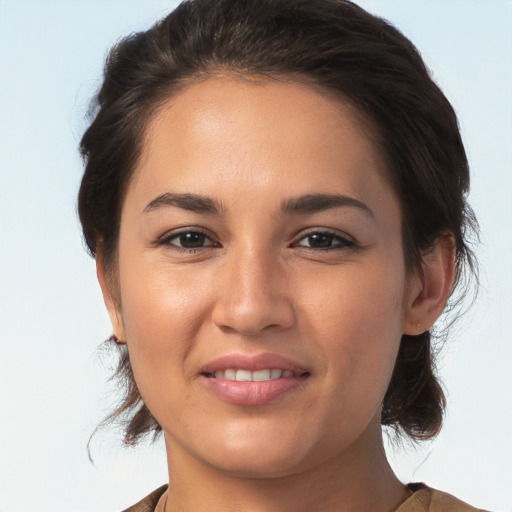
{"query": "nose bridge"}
[(253, 296), (254, 273)]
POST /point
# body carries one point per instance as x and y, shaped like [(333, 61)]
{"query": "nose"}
[(252, 294)]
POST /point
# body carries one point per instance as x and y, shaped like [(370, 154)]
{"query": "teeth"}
[(257, 376), (243, 375), (261, 375), (276, 374), (229, 374)]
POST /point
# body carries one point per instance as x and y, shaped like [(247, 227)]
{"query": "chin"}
[(261, 454), (268, 466)]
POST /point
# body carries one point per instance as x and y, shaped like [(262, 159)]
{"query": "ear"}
[(429, 292), (109, 295)]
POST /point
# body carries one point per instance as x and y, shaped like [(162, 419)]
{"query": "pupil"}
[(192, 240), (320, 240)]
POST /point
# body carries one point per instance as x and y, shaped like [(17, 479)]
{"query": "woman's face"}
[(261, 239)]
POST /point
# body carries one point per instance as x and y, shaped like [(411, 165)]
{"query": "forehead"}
[(223, 129)]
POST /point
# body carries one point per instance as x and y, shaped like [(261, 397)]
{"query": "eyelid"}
[(348, 240), (323, 230), (345, 240), (168, 236)]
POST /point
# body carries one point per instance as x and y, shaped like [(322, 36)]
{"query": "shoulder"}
[(426, 499), (148, 504)]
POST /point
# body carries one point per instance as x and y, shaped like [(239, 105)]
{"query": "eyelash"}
[(343, 241), (168, 239)]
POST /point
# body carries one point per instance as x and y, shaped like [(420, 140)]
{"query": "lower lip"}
[(253, 393)]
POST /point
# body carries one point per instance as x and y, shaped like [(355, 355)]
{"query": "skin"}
[(260, 283)]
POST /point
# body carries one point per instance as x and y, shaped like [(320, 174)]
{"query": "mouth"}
[(252, 376), (254, 380)]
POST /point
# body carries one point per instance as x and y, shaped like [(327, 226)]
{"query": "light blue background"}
[(52, 390)]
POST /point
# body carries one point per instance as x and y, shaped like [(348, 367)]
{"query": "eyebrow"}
[(308, 203), (192, 202), (311, 203)]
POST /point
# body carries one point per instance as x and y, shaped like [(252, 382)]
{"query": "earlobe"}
[(430, 291), (109, 296)]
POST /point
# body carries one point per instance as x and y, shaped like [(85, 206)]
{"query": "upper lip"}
[(253, 363)]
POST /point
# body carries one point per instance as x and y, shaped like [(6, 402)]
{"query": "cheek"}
[(162, 311), (160, 300), (359, 326)]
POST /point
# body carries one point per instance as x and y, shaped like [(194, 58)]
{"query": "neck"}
[(359, 479)]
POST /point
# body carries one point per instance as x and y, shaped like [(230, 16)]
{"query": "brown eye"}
[(324, 240), (191, 240), (320, 240), (187, 240)]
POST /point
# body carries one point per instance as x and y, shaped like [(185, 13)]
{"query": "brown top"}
[(424, 499), (148, 504)]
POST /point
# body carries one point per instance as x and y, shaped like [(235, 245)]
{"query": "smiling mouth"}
[(253, 388), (255, 376)]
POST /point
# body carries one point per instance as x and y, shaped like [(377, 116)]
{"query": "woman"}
[(275, 197)]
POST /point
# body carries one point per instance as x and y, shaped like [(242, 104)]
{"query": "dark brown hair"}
[(343, 49)]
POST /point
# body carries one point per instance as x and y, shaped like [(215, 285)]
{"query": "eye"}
[(188, 240), (324, 240)]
